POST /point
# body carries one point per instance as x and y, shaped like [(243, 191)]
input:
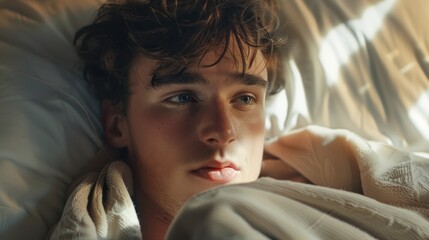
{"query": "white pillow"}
[(49, 127)]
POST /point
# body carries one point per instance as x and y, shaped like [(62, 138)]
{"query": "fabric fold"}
[(100, 207), (340, 159), (362, 190)]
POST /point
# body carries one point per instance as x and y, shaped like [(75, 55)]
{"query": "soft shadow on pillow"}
[(49, 128)]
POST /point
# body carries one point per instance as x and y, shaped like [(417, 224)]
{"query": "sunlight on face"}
[(197, 130)]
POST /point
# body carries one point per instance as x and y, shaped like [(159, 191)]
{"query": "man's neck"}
[(154, 222), (152, 228)]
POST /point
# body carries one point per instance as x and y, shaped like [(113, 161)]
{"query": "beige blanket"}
[(386, 197), (100, 207)]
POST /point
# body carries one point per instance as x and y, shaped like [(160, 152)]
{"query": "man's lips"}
[(217, 171)]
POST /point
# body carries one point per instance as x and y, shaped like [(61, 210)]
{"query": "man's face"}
[(192, 132)]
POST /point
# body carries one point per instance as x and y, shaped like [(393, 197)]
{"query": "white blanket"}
[(386, 197), (100, 207)]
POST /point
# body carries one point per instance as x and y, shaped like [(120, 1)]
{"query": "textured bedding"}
[(363, 190)]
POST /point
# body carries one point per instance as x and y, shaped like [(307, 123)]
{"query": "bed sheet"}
[(362, 190), (358, 65)]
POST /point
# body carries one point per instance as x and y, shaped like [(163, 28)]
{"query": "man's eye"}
[(246, 99), (182, 98)]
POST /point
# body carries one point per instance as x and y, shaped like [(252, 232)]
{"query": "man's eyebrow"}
[(249, 79), (181, 78), (196, 78)]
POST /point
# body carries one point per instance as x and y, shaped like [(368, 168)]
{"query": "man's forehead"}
[(250, 60), (244, 60)]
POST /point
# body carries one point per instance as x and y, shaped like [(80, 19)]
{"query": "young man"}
[(183, 87)]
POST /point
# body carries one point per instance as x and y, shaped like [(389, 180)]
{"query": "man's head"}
[(183, 85)]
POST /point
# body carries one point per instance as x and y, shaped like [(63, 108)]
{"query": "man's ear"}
[(114, 124)]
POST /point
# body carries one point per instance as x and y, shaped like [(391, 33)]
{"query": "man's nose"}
[(218, 125)]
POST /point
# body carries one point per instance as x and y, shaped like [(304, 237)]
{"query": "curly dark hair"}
[(176, 33)]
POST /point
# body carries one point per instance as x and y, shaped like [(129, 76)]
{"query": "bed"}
[(356, 65)]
